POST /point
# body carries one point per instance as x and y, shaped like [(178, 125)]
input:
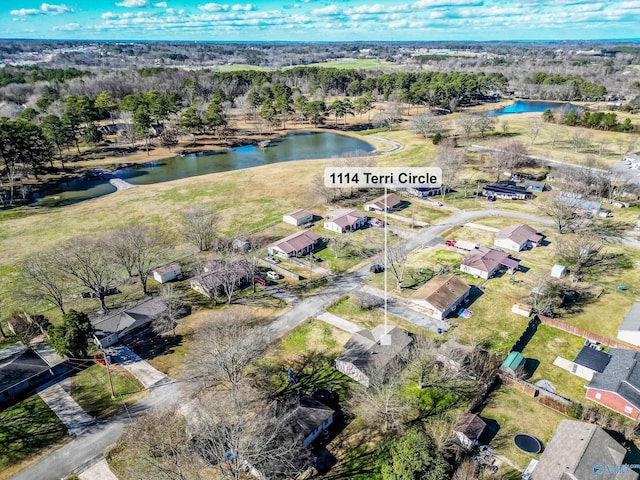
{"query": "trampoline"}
[(527, 443)]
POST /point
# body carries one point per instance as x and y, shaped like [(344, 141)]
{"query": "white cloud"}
[(326, 11), (132, 3), (213, 7), (69, 27), (242, 8), (160, 5), (446, 3), (45, 9)]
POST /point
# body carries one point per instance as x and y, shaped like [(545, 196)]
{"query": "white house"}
[(390, 201), (345, 220), (517, 237), (485, 262), (442, 295), (629, 330), (167, 273), (298, 217)]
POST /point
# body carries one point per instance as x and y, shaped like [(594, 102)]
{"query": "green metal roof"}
[(513, 361)]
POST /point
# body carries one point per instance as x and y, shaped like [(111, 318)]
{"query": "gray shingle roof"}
[(631, 321), (575, 449), (20, 365), (365, 351), (305, 414), (621, 375), (129, 318), (592, 358)]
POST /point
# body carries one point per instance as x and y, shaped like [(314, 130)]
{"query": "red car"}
[(450, 243)]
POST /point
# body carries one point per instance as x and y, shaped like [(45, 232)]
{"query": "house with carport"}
[(518, 237), (388, 202), (442, 295), (484, 262)]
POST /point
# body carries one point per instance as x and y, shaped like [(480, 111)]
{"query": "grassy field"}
[(90, 388), (28, 431), (515, 412), (543, 348)]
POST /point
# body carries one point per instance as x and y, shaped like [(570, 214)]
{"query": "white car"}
[(273, 275), (436, 203)]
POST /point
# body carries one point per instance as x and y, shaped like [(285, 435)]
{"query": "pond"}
[(295, 146), (527, 106)]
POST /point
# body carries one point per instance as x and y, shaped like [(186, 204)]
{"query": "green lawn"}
[(26, 429), (90, 388), (515, 413), (543, 348)]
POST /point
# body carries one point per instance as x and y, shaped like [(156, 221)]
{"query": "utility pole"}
[(107, 362)]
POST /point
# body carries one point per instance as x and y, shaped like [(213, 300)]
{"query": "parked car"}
[(272, 259), (436, 203), (450, 243), (273, 275), (260, 281), (376, 222)]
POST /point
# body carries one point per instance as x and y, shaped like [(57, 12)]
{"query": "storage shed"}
[(512, 363), (558, 271), (167, 273)]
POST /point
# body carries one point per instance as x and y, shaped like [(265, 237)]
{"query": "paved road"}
[(66, 408), (88, 447)]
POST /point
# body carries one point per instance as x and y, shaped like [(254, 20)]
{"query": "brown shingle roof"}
[(345, 216), (484, 259), (296, 242), (442, 291), (299, 214), (519, 233), (471, 425), (393, 201)]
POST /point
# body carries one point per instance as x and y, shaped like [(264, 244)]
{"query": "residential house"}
[(468, 429), (584, 207), (617, 387), (513, 364), (298, 217), (115, 326), (305, 417), (534, 186), (370, 351), (22, 370), (629, 329), (442, 295), (220, 276), (423, 192), (484, 262), (296, 245), (168, 272), (345, 220), (506, 192), (517, 237), (581, 451), (388, 202), (590, 361)]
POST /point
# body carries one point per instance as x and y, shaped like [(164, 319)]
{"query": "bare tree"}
[(318, 186), (466, 123), (507, 156), (546, 293), (175, 309), (484, 124), (338, 244), (397, 264), (161, 446), (239, 433), (562, 212), (533, 128), (585, 254), (87, 260), (425, 124), (225, 347), (580, 139), (234, 274), (199, 226), (389, 117), (138, 248), (42, 281), (451, 161)]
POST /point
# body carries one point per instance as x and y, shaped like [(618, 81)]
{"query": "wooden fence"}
[(566, 327)]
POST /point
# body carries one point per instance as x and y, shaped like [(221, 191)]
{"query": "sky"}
[(321, 20)]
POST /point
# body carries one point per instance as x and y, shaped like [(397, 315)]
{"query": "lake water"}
[(526, 106), (296, 146)]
